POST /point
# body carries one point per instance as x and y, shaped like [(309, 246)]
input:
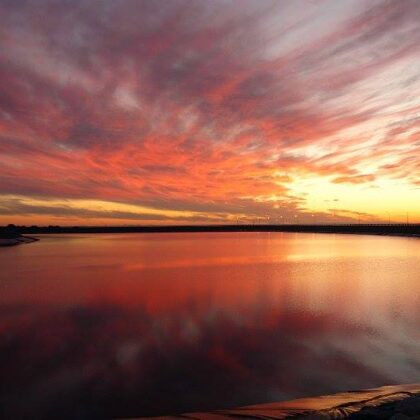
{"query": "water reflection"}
[(114, 325)]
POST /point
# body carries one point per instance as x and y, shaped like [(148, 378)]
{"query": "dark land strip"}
[(371, 229)]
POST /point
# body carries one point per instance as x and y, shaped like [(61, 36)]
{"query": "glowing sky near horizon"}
[(152, 112)]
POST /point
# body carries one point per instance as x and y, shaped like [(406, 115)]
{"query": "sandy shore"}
[(396, 402)]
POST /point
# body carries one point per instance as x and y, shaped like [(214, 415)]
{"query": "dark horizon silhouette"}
[(405, 229)]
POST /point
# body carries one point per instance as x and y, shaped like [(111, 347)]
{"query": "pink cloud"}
[(168, 105)]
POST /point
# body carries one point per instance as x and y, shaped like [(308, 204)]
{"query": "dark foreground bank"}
[(371, 229), (397, 402), (11, 239)]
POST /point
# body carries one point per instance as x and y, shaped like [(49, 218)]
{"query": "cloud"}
[(156, 102), (355, 179)]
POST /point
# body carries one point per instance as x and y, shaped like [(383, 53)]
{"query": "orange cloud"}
[(215, 109)]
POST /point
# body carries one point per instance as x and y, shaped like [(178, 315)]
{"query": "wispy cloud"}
[(187, 105)]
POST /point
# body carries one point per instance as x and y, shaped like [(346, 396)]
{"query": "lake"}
[(120, 325)]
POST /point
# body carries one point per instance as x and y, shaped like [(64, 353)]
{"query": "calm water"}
[(140, 324)]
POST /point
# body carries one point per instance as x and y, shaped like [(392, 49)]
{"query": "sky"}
[(125, 112)]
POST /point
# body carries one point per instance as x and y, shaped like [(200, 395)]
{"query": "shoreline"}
[(6, 242), (402, 230), (387, 402), (18, 236)]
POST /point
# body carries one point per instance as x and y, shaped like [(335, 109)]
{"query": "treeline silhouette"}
[(378, 229)]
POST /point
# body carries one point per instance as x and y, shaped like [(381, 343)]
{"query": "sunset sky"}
[(219, 111)]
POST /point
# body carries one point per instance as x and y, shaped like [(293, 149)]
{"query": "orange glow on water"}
[(270, 316)]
